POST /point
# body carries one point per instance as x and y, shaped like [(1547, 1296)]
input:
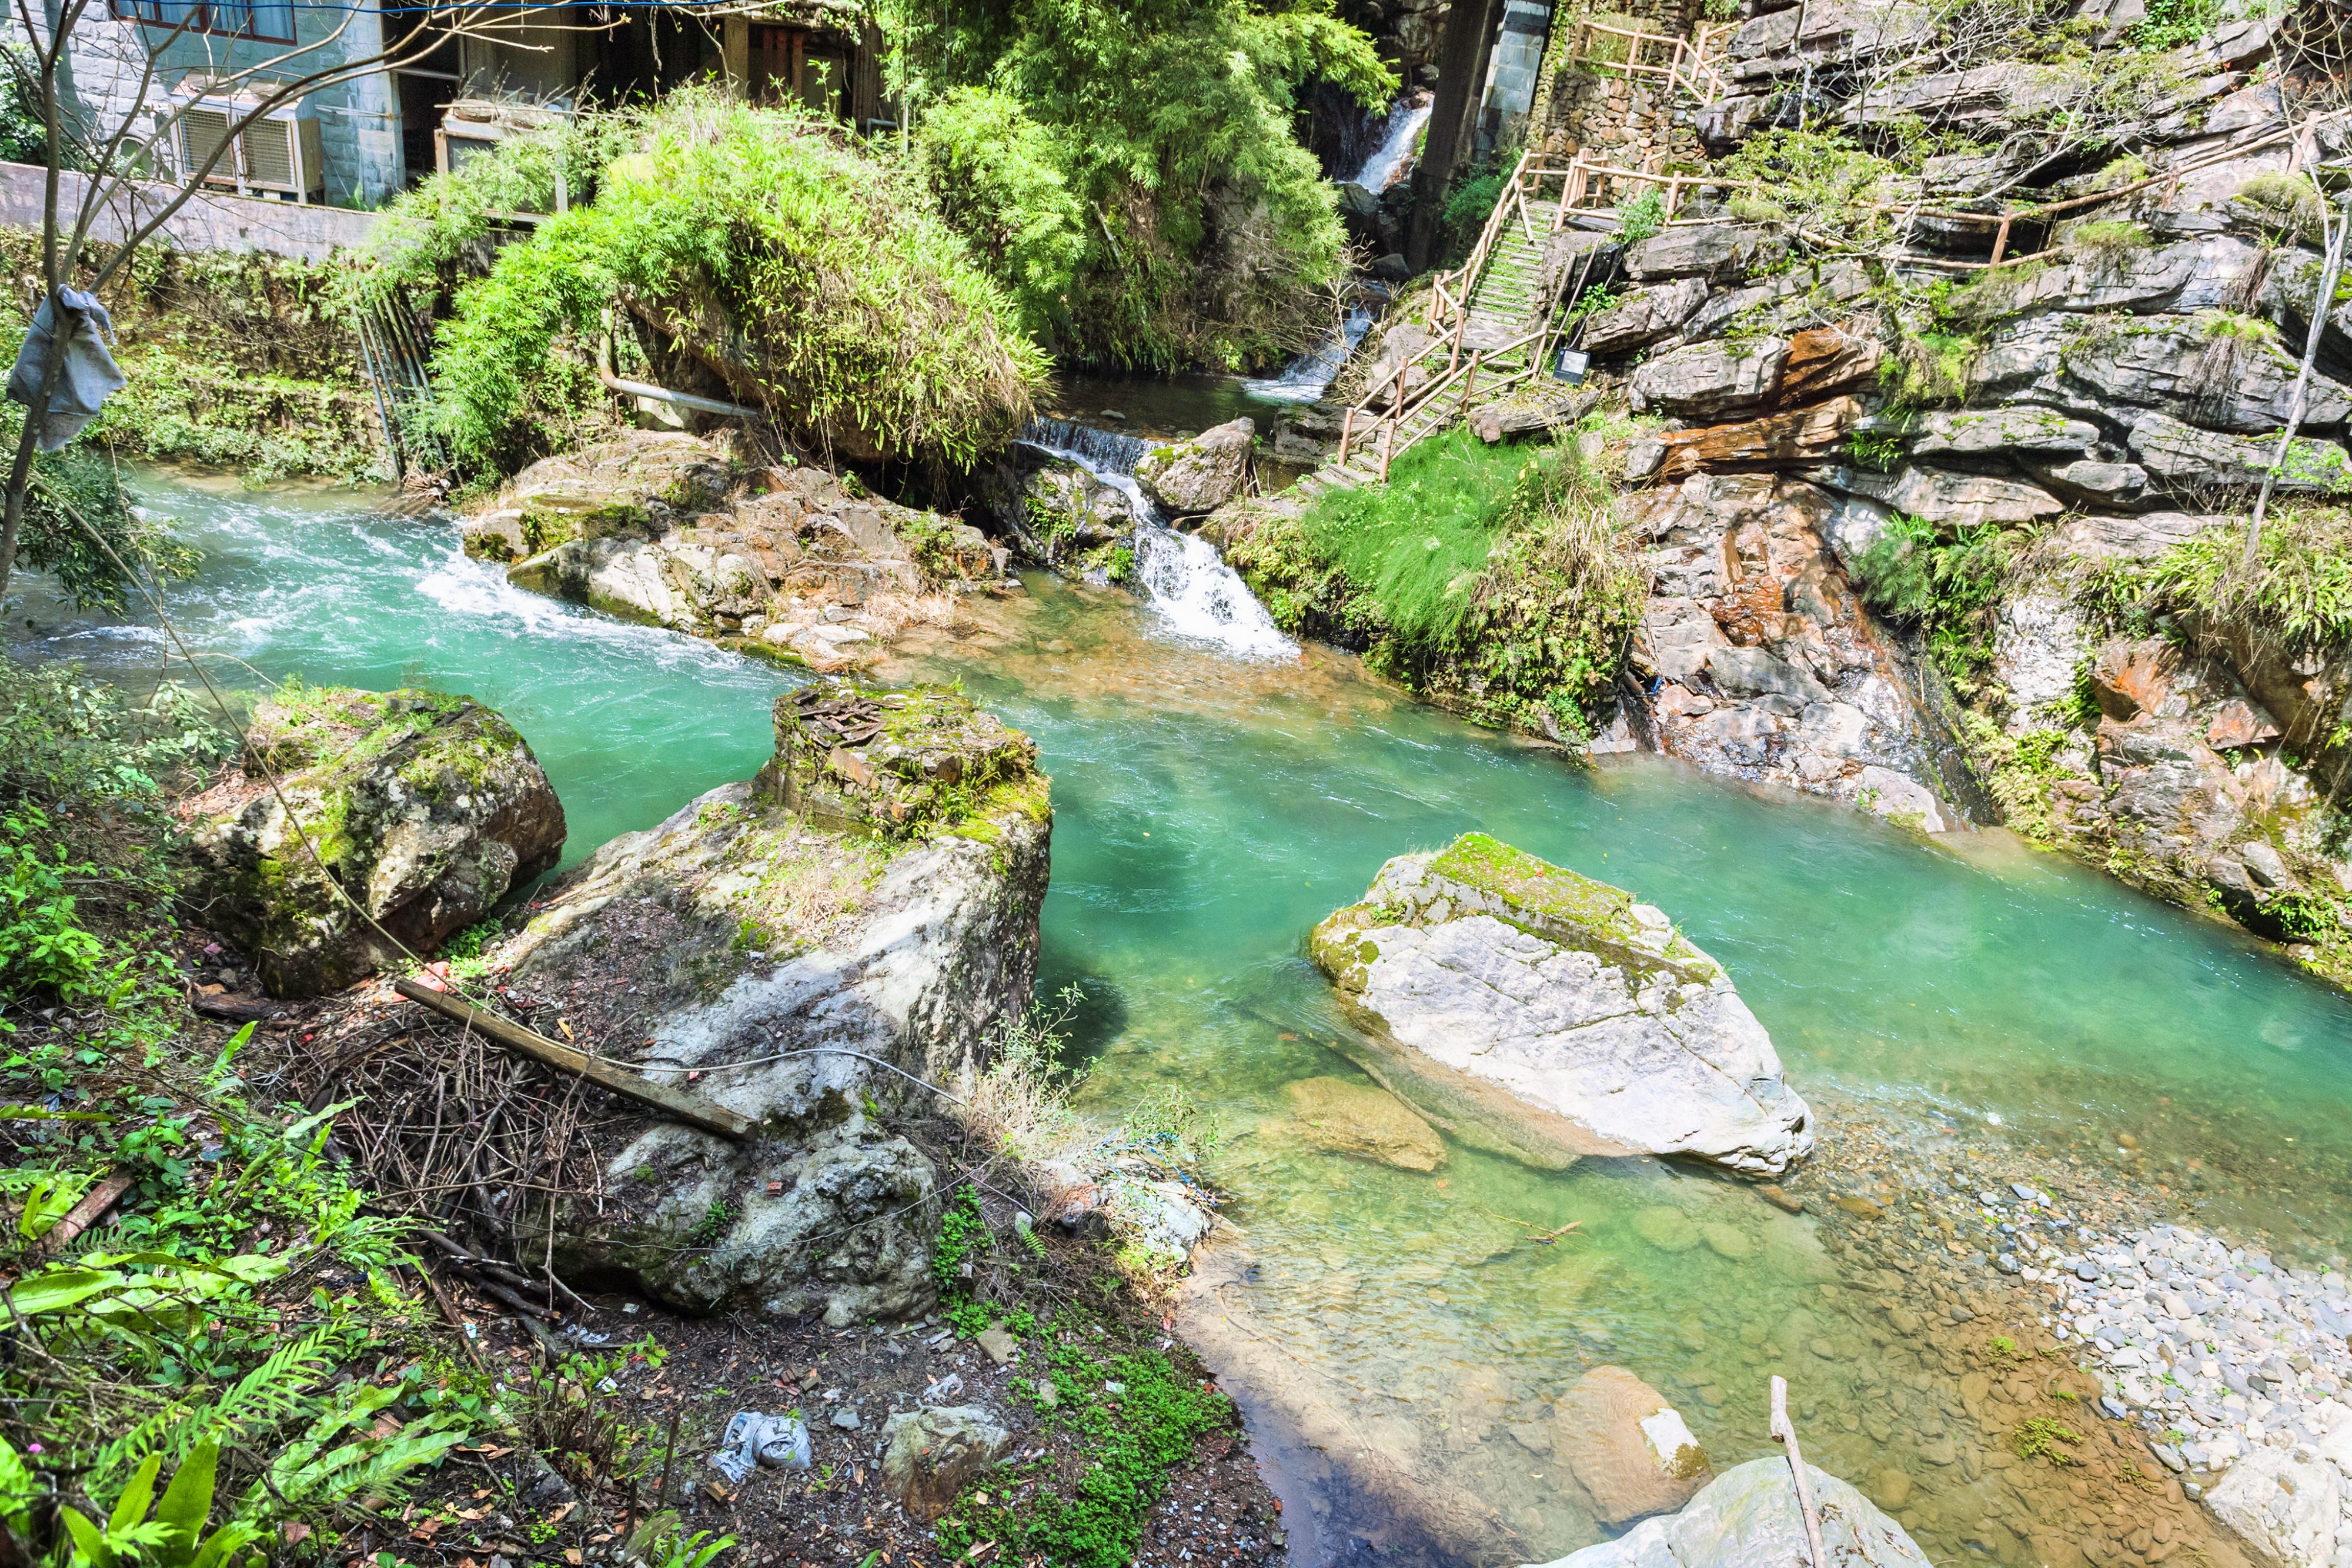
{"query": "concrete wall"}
[(208, 223), (1512, 74)]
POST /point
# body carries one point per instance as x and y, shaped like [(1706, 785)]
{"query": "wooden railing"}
[(1407, 404), (1691, 65), (1592, 186)]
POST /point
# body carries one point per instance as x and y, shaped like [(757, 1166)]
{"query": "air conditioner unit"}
[(275, 154)]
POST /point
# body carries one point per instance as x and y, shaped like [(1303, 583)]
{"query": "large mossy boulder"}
[(1749, 1517), (846, 956), (638, 483), (898, 763), (1191, 478), (1540, 1014), (398, 819)]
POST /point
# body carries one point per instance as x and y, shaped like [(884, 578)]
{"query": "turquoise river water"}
[(1208, 812)]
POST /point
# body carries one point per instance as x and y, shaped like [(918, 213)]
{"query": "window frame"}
[(201, 17)]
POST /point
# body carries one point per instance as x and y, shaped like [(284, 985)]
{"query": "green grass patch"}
[(1133, 1435), (1420, 543)]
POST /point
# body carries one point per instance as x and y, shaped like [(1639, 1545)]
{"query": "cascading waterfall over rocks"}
[(1185, 580)]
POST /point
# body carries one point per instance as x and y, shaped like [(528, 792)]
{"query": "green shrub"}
[(2299, 593), (2169, 24), (1210, 230), (417, 246), (999, 178), (767, 244), (1641, 216), (43, 950), (79, 524), (1467, 206), (963, 1233), (1949, 588), (1819, 180)]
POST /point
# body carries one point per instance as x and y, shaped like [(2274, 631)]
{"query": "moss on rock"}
[(368, 825)]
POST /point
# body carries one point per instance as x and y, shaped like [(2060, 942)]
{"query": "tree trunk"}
[(1470, 30)]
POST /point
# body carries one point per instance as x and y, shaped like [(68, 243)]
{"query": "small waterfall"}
[(1388, 159), (1188, 582), (1106, 451), (1305, 379)]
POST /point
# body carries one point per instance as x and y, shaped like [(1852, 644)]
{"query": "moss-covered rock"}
[(901, 764), (366, 824), (1199, 475), (1542, 1015), (809, 974)]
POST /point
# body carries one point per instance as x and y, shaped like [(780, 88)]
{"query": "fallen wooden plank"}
[(675, 1104), (85, 1214)]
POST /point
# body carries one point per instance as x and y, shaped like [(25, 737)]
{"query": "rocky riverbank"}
[(776, 557), (2234, 1364)]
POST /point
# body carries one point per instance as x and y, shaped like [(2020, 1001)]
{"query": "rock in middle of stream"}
[(1540, 1014)]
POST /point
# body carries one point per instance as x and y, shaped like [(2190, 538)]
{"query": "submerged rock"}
[(425, 809), (1538, 1013), (1199, 475), (1748, 1518), (1367, 1123), (841, 966), (1628, 1448)]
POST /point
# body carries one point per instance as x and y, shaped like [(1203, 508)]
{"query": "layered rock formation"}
[(1937, 510), (366, 827), (841, 957), (669, 529), (1537, 1013)]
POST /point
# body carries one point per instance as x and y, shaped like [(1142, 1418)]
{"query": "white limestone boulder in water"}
[(1540, 1014), (1748, 1518)]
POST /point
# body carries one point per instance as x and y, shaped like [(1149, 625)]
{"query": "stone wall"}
[(1634, 123), (209, 220)]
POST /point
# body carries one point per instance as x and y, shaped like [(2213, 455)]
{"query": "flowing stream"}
[(1189, 587), (1210, 809)]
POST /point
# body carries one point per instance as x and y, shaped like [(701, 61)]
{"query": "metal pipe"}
[(663, 394)]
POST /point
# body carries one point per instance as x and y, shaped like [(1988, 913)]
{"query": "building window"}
[(269, 21)]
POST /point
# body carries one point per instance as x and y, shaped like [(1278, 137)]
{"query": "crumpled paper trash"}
[(779, 1442)]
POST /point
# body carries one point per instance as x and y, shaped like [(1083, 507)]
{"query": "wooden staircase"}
[(1493, 323)]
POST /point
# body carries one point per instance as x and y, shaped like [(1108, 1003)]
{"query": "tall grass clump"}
[(2299, 595), (761, 249), (1494, 580)]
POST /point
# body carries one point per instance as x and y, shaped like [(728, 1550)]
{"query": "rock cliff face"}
[(665, 528), (1537, 1013), (1907, 507), (836, 958), (424, 810), (1759, 660)]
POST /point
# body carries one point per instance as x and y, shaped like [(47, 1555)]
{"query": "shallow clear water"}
[(1209, 811)]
